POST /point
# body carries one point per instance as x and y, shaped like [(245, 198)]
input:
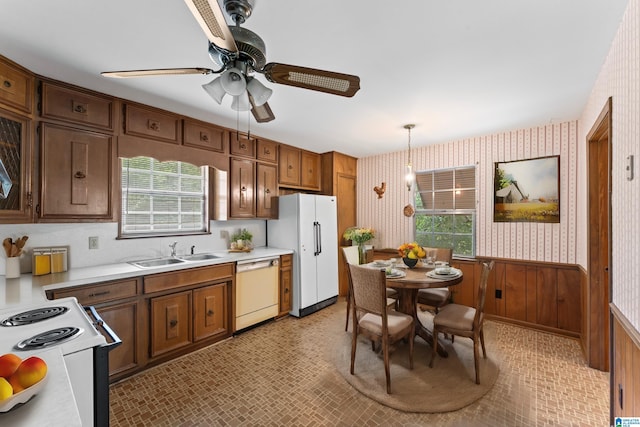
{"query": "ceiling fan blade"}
[(211, 20), (311, 78), (262, 113), (156, 72)]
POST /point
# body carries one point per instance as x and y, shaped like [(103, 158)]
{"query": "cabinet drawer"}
[(16, 87), (286, 261), (267, 151), (208, 137), (176, 279), (149, 123), (74, 106), (91, 295), (239, 145)]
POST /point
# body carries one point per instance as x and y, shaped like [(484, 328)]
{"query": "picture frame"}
[(527, 190)]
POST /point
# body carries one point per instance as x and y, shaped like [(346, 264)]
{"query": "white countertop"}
[(28, 289), (54, 405)]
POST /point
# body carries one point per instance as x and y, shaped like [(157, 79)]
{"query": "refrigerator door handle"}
[(319, 238)]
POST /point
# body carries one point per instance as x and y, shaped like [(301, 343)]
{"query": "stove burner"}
[(54, 336), (33, 316)]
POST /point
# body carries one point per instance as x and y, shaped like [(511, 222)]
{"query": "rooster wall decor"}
[(380, 190)]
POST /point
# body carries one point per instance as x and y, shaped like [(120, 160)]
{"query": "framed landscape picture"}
[(527, 190)]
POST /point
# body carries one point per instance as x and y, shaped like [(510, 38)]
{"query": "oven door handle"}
[(115, 339)]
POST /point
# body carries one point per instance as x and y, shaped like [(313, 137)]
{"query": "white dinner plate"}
[(395, 274), (381, 263), (454, 273)]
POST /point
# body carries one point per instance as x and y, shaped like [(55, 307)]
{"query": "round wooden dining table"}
[(408, 287)]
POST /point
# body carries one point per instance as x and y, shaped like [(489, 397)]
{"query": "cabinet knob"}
[(290, 166), (286, 290), (79, 108), (173, 323), (210, 312), (204, 137), (6, 84), (267, 151), (243, 188), (267, 191), (243, 146), (153, 125), (79, 175)]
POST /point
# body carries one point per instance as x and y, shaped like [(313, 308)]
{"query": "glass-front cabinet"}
[(16, 198)]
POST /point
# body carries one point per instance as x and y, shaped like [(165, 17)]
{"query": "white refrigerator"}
[(308, 225)]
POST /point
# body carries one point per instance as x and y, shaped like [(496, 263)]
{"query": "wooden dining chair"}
[(351, 256), (436, 297), (380, 325), (457, 319)]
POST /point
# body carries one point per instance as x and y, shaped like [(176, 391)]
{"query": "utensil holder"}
[(12, 268)]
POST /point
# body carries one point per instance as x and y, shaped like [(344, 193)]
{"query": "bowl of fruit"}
[(20, 379)]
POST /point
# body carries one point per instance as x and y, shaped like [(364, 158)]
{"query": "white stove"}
[(64, 324)]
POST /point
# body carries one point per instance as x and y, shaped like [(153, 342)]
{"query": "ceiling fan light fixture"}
[(215, 90), (241, 102), (233, 82), (259, 92)]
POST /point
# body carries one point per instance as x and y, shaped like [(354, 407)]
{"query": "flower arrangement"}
[(411, 250), (359, 235)]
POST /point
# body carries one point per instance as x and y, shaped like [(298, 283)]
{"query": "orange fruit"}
[(8, 364), (6, 391), (30, 371)]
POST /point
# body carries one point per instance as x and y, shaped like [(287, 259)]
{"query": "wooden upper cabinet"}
[(240, 145), (266, 191), (267, 151), (289, 166), (16, 86), (310, 170), (75, 174), (152, 123), (16, 199), (206, 136), (241, 189), (77, 107)]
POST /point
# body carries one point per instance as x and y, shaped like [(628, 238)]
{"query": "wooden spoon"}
[(7, 243), (21, 241)]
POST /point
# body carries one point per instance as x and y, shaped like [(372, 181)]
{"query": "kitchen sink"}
[(158, 262), (198, 257)]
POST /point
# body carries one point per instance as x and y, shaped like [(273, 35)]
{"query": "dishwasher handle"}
[(257, 264)]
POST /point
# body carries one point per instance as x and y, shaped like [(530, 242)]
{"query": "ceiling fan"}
[(239, 52)]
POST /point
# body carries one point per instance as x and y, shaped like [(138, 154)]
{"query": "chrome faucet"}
[(193, 248), (173, 248)]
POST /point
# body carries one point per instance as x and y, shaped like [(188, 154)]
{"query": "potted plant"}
[(242, 240)]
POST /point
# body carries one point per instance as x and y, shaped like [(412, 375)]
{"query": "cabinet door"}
[(76, 174), (286, 279), (241, 188), (289, 166), (210, 311), (170, 322), (124, 319), (266, 191), (240, 145), (15, 168), (310, 170), (209, 137), (267, 151)]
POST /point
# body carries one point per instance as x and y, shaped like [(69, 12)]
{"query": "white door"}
[(306, 232), (327, 260)]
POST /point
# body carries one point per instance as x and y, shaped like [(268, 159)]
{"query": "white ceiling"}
[(455, 68)]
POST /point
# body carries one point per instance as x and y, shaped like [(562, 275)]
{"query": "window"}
[(446, 209), (162, 198)]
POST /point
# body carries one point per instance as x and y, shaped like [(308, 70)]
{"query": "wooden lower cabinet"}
[(210, 311), (170, 322), (286, 283), (119, 305)]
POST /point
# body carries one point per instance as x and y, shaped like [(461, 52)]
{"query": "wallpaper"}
[(528, 241), (619, 79)]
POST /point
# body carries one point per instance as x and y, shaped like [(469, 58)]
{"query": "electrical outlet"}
[(499, 293), (93, 242)]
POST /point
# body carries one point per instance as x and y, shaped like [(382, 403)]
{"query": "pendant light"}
[(410, 175)]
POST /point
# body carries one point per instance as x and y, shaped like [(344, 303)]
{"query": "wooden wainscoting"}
[(625, 367)]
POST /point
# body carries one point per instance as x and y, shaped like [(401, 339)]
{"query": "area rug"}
[(448, 386)]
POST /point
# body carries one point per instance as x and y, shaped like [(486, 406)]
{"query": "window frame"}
[(205, 197), (433, 211)]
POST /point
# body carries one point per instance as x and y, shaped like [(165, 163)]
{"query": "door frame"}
[(596, 304)]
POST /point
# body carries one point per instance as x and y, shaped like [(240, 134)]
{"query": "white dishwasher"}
[(256, 291)]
